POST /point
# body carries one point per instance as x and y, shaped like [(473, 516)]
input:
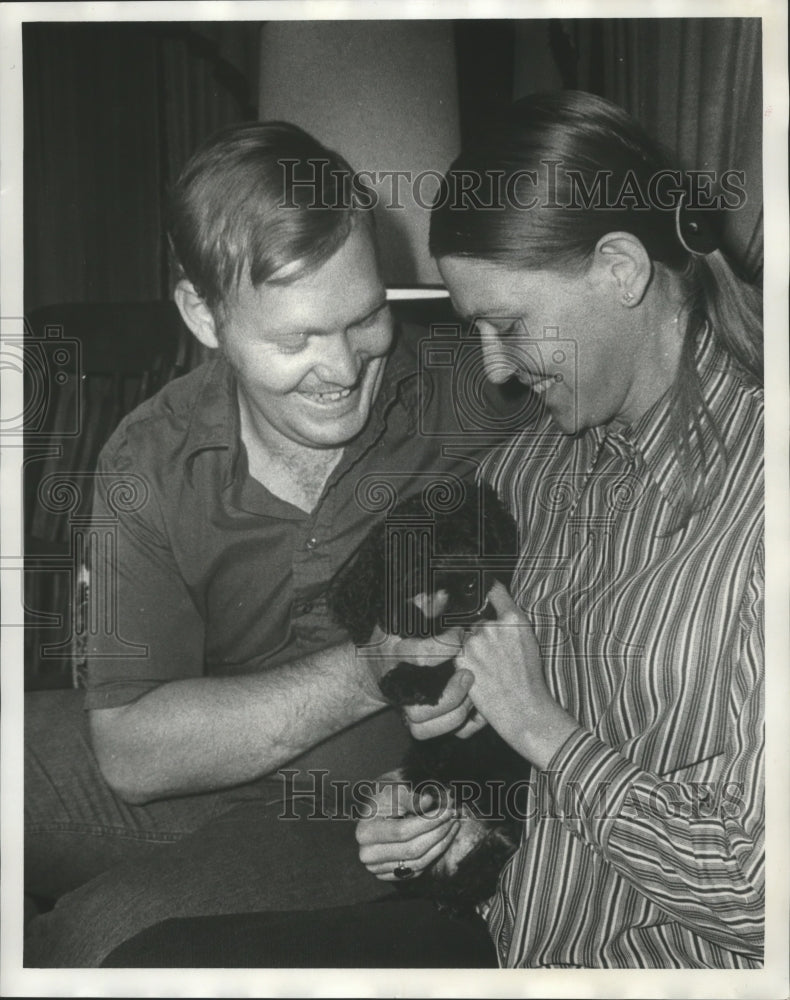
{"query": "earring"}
[(628, 297)]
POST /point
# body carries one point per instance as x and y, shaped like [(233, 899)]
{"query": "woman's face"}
[(567, 336)]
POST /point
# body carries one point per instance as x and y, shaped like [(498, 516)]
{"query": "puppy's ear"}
[(355, 596), (500, 531)]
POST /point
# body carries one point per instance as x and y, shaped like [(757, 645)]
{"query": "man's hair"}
[(254, 198)]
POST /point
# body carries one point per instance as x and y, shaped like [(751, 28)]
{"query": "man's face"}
[(310, 355)]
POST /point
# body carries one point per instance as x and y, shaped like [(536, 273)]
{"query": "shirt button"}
[(310, 544)]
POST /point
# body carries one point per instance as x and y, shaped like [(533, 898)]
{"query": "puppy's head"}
[(420, 572), (456, 597)]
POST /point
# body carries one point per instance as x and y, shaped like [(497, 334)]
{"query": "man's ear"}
[(196, 314), (625, 266)]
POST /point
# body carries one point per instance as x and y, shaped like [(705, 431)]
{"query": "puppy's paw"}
[(410, 684), (470, 833)]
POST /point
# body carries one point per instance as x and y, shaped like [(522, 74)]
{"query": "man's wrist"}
[(362, 665)]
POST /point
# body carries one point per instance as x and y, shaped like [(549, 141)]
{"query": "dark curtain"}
[(486, 58), (696, 84), (91, 170), (111, 111)]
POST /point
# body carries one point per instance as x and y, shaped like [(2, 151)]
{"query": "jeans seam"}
[(96, 830)]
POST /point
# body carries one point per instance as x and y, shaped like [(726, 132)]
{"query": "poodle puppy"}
[(420, 571)]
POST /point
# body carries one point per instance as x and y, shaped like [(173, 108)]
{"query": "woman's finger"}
[(399, 829), (411, 849), (429, 652), (385, 869), (438, 725), (500, 598), (418, 862), (454, 695), (473, 724)]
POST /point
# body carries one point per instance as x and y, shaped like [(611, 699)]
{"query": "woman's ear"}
[(196, 314), (625, 266)]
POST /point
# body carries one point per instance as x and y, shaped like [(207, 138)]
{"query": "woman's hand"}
[(401, 832), (453, 713), (383, 652), (509, 687)]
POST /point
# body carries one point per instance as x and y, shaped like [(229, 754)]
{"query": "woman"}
[(628, 664)]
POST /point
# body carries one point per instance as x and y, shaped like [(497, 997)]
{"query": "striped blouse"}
[(643, 840)]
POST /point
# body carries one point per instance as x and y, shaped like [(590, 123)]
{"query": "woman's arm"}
[(699, 858)]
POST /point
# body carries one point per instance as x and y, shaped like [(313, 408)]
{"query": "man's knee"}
[(87, 923), (75, 826), (53, 748)]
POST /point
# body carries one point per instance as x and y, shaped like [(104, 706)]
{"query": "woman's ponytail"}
[(734, 310)]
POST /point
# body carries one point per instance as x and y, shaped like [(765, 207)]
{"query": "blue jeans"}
[(116, 869)]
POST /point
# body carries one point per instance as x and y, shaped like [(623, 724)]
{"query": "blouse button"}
[(310, 544)]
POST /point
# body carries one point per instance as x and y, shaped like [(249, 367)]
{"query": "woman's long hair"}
[(561, 170)]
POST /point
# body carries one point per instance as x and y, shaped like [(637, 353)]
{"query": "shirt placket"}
[(587, 543), (311, 568), (591, 527), (312, 561)]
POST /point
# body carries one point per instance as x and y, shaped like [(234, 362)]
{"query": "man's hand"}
[(400, 832), (454, 711), (384, 652)]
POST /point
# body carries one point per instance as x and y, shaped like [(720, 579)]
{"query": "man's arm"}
[(160, 726), (203, 733)]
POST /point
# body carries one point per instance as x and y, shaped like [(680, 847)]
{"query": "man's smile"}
[(326, 396)]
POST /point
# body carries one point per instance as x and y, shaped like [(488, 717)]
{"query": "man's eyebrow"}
[(320, 331), (371, 311)]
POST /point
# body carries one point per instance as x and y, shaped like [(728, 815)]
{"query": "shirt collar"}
[(214, 423), (652, 437)]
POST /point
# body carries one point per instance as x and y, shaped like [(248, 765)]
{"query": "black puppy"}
[(418, 573)]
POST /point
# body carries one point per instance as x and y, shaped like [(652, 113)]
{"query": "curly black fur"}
[(416, 550)]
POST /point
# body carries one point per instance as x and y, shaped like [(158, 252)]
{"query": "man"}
[(235, 495)]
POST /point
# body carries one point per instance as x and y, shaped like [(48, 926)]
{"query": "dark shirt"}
[(211, 574)]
